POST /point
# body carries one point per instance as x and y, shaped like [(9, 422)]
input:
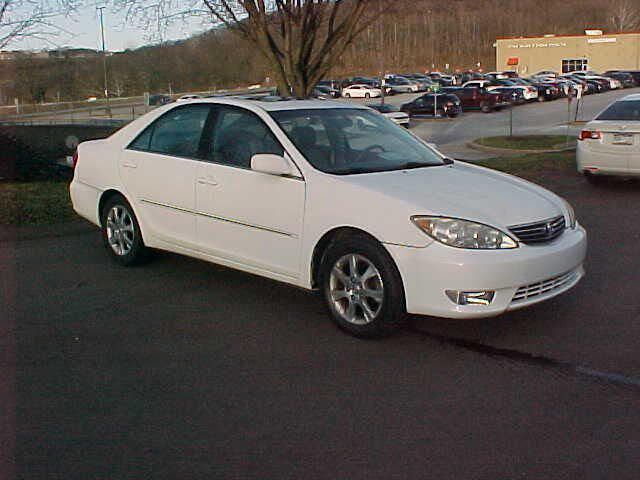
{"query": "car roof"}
[(270, 104), (632, 97)]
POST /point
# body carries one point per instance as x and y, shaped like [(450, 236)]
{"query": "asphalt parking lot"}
[(183, 369)]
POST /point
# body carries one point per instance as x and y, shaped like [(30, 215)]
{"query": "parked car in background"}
[(442, 79), (529, 92), (393, 113), (545, 92), (401, 85), (293, 190), (159, 99), (188, 97), (333, 84), (434, 104), (625, 78), (361, 91), (478, 98), (610, 144), (423, 82), (514, 95), (545, 73), (635, 75), (326, 90), (607, 82), (372, 82)]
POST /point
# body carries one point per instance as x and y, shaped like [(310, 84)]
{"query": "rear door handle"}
[(129, 165), (206, 181)]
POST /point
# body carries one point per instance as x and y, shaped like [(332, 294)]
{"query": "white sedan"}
[(329, 196), (393, 113), (610, 144), (361, 91)]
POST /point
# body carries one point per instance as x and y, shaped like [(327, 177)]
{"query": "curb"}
[(513, 151), (13, 233)]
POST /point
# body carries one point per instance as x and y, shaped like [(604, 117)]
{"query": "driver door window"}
[(237, 136)]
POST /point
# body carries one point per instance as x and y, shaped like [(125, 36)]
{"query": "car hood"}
[(462, 191)]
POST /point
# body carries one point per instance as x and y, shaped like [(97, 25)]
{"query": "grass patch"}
[(527, 142), (530, 164), (35, 203)]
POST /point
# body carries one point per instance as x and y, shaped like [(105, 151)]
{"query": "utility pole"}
[(104, 61), (382, 55)]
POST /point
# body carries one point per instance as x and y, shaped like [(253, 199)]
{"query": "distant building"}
[(564, 53)]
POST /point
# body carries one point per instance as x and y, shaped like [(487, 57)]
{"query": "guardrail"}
[(90, 122)]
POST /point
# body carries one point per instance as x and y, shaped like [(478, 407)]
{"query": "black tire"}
[(485, 108), (594, 179), (391, 312), (541, 98), (137, 253), (367, 95), (347, 95)]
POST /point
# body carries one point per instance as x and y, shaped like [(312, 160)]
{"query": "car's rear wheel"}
[(362, 288), (348, 95), (485, 108), (541, 98), (367, 95), (121, 232), (594, 179)]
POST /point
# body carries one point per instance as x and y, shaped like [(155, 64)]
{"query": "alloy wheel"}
[(356, 290), (120, 230)]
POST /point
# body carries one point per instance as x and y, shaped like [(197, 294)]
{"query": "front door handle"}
[(206, 181), (129, 165)]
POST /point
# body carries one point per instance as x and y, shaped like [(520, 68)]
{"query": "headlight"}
[(463, 233), (571, 215)]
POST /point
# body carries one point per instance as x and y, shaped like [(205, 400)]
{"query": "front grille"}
[(540, 288), (539, 232)]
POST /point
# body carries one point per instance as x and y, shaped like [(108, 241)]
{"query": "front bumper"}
[(539, 272)]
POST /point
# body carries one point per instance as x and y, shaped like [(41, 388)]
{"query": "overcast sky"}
[(82, 29)]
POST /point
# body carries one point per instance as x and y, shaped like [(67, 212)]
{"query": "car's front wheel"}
[(121, 232), (362, 288)]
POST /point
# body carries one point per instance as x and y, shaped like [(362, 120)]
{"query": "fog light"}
[(471, 298)]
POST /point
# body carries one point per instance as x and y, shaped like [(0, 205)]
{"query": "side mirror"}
[(271, 164)]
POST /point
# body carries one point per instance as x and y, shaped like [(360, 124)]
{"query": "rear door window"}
[(627, 110), (177, 133)]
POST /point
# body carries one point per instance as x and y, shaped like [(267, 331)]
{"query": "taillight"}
[(74, 158), (590, 135)]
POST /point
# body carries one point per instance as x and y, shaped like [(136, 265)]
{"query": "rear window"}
[(628, 110)]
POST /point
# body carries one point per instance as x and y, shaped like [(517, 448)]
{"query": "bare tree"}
[(301, 39), (625, 15), (31, 19)]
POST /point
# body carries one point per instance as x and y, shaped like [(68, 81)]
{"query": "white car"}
[(188, 97), (329, 196), (610, 144), (361, 91), (393, 113)]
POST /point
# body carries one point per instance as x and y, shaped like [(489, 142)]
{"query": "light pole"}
[(104, 60)]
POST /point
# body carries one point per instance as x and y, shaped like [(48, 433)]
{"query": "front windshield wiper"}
[(410, 165), (404, 166)]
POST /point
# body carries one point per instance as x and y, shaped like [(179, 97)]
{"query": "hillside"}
[(420, 35)]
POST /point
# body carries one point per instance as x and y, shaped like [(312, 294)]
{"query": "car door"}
[(158, 170), (247, 217)]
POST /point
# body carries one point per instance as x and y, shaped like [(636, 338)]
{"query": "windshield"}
[(624, 110), (347, 141)]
